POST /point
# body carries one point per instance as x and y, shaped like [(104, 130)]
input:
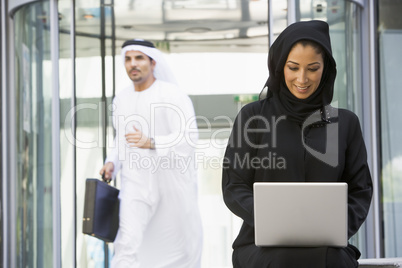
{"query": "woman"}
[(292, 126)]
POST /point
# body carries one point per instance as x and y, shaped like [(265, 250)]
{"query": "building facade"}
[(60, 68)]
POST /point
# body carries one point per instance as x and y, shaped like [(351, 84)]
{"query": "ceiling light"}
[(88, 16)]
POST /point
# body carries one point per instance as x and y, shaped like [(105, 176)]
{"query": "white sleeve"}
[(181, 120)]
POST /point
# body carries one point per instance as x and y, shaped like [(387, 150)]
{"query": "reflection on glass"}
[(34, 128)]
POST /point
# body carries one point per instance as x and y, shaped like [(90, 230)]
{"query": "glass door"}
[(390, 57), (33, 110)]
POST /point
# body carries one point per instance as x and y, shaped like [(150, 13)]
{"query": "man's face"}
[(139, 67)]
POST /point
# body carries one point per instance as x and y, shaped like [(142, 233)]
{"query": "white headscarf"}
[(162, 70)]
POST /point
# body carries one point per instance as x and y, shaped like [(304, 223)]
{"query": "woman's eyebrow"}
[(289, 61)]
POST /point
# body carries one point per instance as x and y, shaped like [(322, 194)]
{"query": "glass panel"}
[(88, 144), (67, 150), (390, 57), (34, 149), (343, 18)]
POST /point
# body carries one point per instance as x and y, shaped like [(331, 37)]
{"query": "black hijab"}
[(296, 109)]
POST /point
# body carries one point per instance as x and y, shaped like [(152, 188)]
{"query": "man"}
[(156, 133)]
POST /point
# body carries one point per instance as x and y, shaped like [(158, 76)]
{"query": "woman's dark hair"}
[(317, 47)]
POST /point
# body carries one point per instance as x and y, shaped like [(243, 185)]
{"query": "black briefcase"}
[(101, 210)]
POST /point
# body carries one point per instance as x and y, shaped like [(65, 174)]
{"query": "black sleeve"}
[(237, 174), (357, 175)]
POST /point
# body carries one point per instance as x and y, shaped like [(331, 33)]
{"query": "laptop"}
[(303, 214)]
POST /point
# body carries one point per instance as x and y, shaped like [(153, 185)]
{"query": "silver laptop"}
[(303, 214)]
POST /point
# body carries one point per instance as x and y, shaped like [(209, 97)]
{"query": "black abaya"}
[(290, 161)]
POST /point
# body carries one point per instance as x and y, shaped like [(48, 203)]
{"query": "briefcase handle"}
[(103, 178)]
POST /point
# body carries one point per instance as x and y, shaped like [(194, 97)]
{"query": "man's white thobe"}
[(160, 224)]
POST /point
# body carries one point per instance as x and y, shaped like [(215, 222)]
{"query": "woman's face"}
[(303, 70)]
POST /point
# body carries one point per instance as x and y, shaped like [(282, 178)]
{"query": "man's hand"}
[(138, 139), (107, 169)]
